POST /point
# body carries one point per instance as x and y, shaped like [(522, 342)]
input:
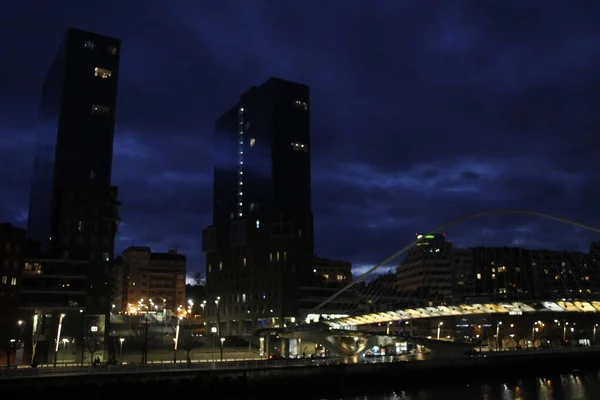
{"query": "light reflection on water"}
[(560, 387)]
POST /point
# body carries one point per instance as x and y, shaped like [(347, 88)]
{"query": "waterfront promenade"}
[(252, 377)]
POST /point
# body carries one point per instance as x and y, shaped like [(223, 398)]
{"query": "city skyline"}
[(403, 140)]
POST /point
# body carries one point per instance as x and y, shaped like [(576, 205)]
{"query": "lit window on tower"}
[(102, 72), (241, 162), (300, 147)]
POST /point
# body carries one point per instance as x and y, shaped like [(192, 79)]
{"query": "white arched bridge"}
[(514, 308), (570, 285)]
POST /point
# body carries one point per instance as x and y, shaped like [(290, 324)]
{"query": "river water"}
[(574, 386)]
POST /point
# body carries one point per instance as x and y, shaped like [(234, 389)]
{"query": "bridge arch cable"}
[(353, 296)]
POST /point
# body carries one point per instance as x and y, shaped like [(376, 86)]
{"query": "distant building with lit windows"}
[(436, 270), (259, 248), (333, 273), (73, 208), (426, 271), (148, 281)]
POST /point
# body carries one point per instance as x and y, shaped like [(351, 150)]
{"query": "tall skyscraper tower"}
[(260, 247), (73, 209)]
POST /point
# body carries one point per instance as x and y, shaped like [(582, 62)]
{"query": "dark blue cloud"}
[(422, 112)]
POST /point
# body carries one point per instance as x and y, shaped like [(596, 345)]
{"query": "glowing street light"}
[(262, 346), (498, 335), (439, 328), (222, 341), (176, 340), (58, 331)]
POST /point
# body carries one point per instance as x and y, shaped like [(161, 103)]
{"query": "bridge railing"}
[(148, 368)]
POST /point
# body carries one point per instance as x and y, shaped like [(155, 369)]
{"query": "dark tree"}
[(189, 341), (199, 279), (93, 345), (144, 338)]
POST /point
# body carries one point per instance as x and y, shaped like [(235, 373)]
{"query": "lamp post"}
[(439, 329), (58, 330), (176, 340), (203, 304), (213, 330), (498, 335), (262, 347), (218, 316), (121, 348), (594, 335), (222, 341), (12, 345)]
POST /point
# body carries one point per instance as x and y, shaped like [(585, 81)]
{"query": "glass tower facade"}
[(260, 247)]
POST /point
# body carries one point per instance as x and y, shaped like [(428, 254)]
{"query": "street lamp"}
[(594, 335), (121, 340), (498, 335), (203, 304), (176, 340), (262, 346), (213, 330), (222, 341), (439, 328), (218, 315), (58, 330)]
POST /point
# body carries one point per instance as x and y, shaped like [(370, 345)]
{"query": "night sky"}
[(422, 111)]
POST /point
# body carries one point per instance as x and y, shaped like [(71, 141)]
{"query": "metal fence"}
[(157, 367)]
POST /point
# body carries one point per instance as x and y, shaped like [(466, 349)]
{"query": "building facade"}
[(12, 251), (73, 209), (54, 292), (427, 270), (260, 246), (333, 273), (329, 277), (151, 282), (435, 270)]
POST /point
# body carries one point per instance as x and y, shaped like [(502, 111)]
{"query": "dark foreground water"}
[(574, 386)]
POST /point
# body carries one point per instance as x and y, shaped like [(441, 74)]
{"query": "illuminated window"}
[(220, 266), (209, 268), (478, 276), (102, 72), (244, 261), (300, 147), (99, 110), (112, 50), (257, 223), (13, 281), (88, 44), (301, 105), (252, 142), (4, 280)]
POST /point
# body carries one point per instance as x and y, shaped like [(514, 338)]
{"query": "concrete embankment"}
[(302, 380)]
